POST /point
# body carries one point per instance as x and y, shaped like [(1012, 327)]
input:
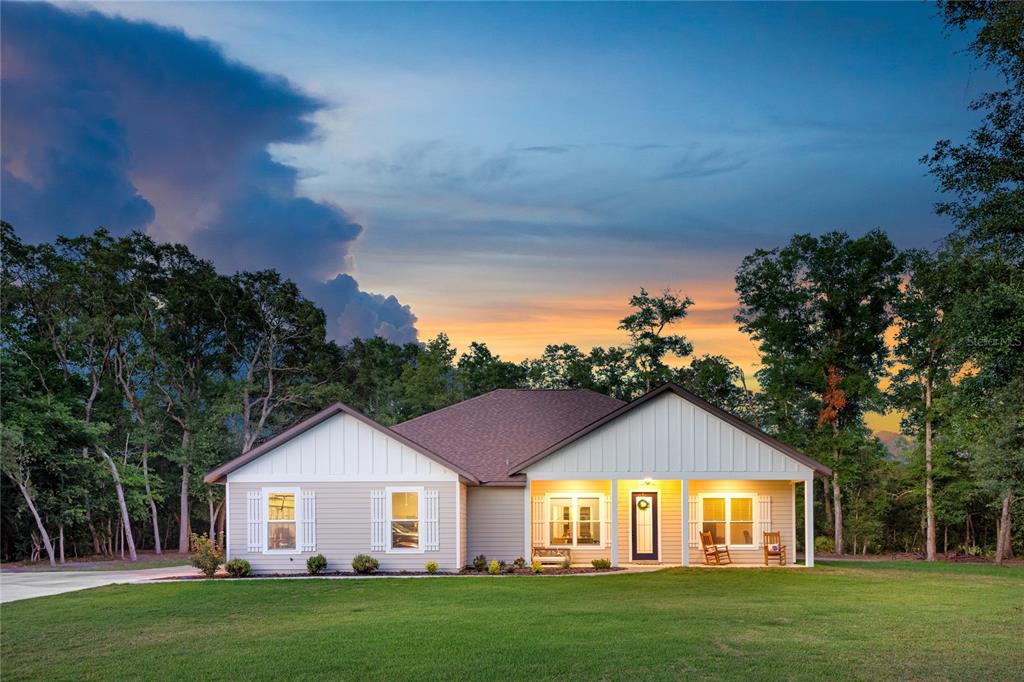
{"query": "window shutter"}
[(378, 524), (764, 516), (255, 521), (431, 539), (308, 521), (606, 523), (693, 533), (538, 521)]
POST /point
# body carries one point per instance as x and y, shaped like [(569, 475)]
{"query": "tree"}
[(646, 326), (819, 308), (560, 366), (40, 440), (982, 181), (69, 295), (187, 361), (716, 379), (479, 371), (369, 376), (277, 342), (427, 383), (925, 369), (613, 372)]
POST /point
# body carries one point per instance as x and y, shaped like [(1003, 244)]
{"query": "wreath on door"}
[(642, 504)]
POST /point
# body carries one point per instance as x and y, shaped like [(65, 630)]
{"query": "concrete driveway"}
[(16, 585)]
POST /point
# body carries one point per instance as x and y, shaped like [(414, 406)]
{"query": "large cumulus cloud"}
[(131, 125)]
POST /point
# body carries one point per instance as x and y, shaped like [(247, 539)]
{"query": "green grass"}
[(844, 620)]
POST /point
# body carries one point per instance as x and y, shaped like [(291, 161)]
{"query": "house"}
[(517, 473)]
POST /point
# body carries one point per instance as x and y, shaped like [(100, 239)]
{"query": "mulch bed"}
[(548, 570)]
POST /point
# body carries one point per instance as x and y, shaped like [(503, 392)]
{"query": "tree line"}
[(131, 368)]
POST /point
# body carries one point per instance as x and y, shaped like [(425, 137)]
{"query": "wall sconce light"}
[(648, 480)]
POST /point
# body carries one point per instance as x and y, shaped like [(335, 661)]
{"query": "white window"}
[(574, 520), (283, 518), (405, 514), (729, 518)]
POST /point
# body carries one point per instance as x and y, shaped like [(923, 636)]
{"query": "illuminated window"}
[(281, 521), (404, 513), (729, 519), (575, 520)]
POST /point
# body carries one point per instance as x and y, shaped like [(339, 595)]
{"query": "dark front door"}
[(644, 523)]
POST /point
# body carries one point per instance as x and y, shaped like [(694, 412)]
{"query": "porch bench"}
[(551, 555)]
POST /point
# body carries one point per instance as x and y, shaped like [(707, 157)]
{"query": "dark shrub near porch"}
[(238, 568), (364, 563), (316, 564)]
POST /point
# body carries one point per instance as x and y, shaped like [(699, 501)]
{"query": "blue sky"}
[(516, 171)]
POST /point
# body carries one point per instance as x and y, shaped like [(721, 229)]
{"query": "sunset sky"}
[(504, 173)]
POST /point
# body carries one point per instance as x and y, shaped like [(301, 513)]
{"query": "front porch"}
[(645, 522)]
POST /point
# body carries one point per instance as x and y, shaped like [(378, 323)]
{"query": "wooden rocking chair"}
[(773, 547), (714, 554)]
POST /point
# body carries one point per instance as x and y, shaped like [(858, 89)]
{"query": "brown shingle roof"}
[(492, 433)]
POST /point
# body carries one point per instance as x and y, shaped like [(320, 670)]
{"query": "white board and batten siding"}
[(342, 448), (669, 436), (341, 470)]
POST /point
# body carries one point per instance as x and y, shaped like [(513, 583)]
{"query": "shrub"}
[(537, 567), (206, 555), (364, 563), (316, 564), (824, 544), (431, 567), (480, 563), (519, 563), (494, 568), (238, 568), (566, 563), (601, 563)]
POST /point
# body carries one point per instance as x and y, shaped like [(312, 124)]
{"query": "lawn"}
[(844, 620)]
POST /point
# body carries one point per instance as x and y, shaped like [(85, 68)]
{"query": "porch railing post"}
[(685, 502), (615, 522), (809, 522)]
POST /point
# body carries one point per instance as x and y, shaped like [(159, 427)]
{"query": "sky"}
[(509, 173)]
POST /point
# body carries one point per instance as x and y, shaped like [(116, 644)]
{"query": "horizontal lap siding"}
[(782, 515), (495, 522), (541, 488), (343, 528)]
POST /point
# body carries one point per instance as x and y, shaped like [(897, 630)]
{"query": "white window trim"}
[(420, 498), (728, 496), (297, 492), (575, 506)]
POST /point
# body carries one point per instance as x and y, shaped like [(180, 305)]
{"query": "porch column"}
[(809, 522), (527, 523), (684, 487), (615, 522)]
